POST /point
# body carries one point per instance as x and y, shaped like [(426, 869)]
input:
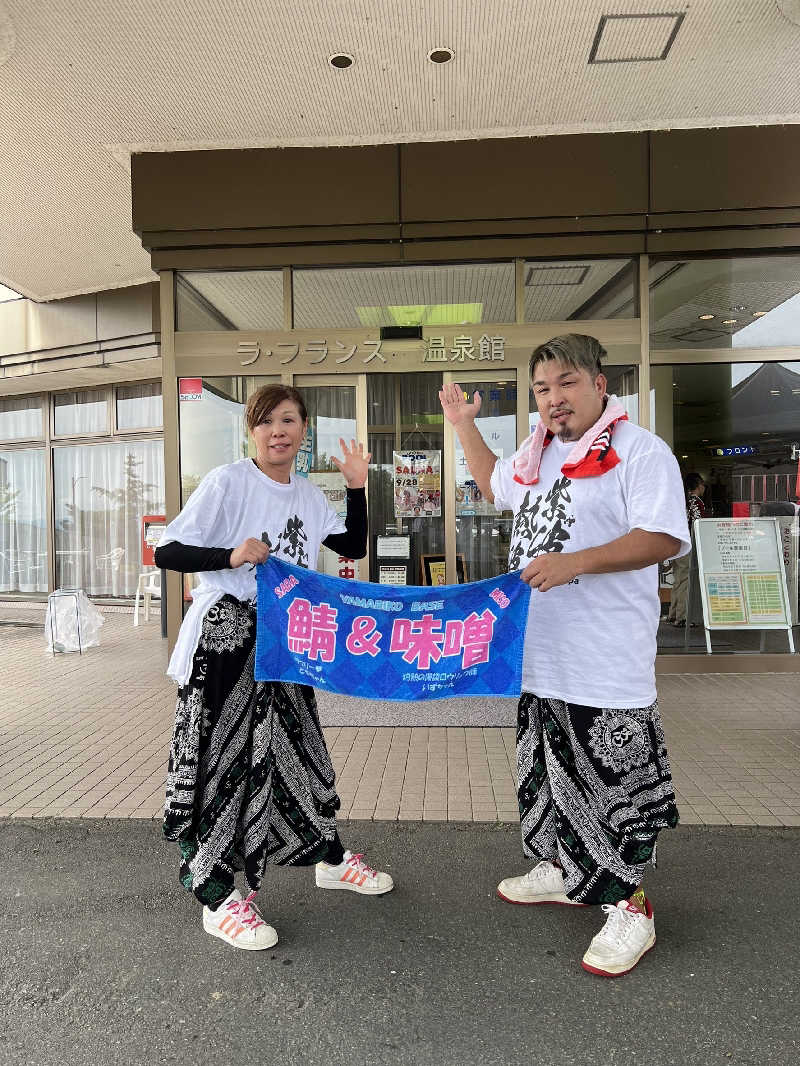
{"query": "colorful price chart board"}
[(742, 575)]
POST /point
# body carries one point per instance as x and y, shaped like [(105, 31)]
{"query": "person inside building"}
[(250, 782), (597, 504), (694, 487)]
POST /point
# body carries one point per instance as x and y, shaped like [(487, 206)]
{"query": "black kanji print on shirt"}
[(291, 542), (541, 525)]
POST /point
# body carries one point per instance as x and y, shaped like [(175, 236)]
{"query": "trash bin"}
[(72, 622)]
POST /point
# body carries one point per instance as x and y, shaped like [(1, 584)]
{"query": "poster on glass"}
[(417, 484)]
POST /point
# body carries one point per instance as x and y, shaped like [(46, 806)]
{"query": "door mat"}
[(336, 710)]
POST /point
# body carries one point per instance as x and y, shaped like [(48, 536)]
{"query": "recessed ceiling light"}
[(705, 318), (729, 321), (758, 314), (341, 60), (440, 55)]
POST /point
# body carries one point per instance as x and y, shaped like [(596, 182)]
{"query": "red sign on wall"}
[(190, 389), (153, 526)]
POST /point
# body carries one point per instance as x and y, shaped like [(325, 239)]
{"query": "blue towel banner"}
[(390, 642)]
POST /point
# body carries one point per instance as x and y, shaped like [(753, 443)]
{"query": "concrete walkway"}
[(87, 736)]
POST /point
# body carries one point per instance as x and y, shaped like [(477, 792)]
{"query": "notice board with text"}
[(742, 574)]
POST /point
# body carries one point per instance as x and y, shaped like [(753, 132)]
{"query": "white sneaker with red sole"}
[(353, 875), (544, 884), (627, 935)]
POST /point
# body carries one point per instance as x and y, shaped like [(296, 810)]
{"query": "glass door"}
[(407, 496), (332, 406), (482, 533)]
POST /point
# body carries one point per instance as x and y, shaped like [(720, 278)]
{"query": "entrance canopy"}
[(84, 85)]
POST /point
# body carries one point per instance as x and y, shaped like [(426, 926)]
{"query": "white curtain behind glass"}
[(20, 417), (139, 406), (23, 521), (102, 491), (80, 412)]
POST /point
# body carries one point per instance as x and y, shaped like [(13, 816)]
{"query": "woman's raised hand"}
[(353, 465), (251, 550)]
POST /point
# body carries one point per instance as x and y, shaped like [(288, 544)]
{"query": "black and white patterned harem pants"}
[(594, 791), (250, 782)]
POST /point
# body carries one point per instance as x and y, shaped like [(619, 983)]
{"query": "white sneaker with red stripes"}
[(354, 875), (238, 922)]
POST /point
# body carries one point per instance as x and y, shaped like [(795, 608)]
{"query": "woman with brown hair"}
[(250, 782)]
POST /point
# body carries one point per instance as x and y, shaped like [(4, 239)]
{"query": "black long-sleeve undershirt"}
[(352, 544)]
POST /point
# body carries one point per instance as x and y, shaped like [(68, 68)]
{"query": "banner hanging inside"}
[(382, 642)]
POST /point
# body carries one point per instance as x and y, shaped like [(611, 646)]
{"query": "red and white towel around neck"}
[(592, 455)]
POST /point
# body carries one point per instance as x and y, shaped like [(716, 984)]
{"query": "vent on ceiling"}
[(700, 334), (555, 275), (635, 38)]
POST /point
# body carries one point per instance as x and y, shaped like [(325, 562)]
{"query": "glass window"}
[(231, 299), (212, 429), (139, 406), (483, 536), (751, 302), (77, 413), (102, 493), (736, 425), (404, 413), (331, 416), (457, 294), (212, 433), (562, 290), (23, 521), (21, 417)]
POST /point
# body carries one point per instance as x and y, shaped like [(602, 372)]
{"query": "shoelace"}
[(246, 911), (540, 870), (361, 866), (618, 925)]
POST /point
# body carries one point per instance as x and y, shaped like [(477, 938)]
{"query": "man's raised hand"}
[(454, 403)]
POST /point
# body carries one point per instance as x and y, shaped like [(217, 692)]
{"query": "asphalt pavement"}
[(103, 959)]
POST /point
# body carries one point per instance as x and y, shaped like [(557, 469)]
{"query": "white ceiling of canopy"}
[(85, 82)]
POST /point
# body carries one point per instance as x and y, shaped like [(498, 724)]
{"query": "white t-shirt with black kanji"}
[(593, 641), (229, 505)]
